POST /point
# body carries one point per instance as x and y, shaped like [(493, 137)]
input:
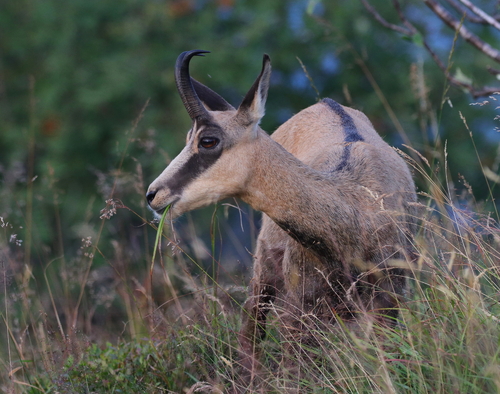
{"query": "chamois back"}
[(342, 143)]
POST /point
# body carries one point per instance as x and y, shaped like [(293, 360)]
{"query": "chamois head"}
[(213, 165)]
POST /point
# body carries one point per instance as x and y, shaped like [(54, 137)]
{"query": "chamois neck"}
[(307, 204), (280, 183)]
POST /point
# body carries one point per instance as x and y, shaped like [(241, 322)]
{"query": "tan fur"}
[(327, 236)]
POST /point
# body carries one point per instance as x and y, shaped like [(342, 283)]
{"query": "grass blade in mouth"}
[(159, 232)]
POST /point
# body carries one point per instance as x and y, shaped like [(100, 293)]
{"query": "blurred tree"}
[(94, 64), (461, 12)]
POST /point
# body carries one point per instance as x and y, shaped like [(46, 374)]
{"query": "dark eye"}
[(209, 142)]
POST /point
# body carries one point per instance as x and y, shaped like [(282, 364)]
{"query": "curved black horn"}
[(190, 99)]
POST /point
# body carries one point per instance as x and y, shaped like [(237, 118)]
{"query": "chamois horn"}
[(190, 99)]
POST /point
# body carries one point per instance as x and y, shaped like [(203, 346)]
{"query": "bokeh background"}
[(89, 113)]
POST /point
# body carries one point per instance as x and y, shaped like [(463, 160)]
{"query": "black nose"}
[(150, 196)]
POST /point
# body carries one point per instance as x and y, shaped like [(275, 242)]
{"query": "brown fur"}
[(360, 217)]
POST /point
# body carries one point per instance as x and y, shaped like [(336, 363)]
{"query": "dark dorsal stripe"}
[(351, 133)]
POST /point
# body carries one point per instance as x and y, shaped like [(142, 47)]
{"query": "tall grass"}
[(108, 316)]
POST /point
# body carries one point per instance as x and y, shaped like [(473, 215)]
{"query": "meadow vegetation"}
[(89, 304), (170, 325)]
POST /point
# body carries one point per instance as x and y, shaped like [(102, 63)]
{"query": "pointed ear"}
[(253, 105), (211, 100)]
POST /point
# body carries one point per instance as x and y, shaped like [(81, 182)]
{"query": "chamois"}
[(336, 202)]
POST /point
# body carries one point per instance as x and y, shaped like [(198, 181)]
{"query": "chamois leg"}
[(253, 330), (384, 292), (267, 285)]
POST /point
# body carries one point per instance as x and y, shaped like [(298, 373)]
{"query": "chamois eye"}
[(209, 142)]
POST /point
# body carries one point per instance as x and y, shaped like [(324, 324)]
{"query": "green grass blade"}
[(159, 232)]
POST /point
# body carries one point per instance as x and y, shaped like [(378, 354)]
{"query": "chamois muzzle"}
[(190, 99)]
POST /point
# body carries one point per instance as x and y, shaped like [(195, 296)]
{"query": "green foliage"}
[(180, 359), (133, 367), (70, 90), (89, 115)]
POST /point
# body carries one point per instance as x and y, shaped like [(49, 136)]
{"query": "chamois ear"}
[(211, 100), (253, 105)]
